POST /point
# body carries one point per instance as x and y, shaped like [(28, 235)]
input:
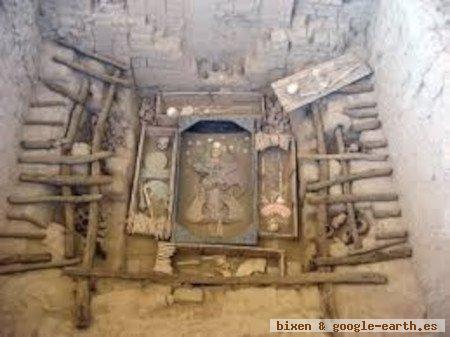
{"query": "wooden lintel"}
[(303, 279)]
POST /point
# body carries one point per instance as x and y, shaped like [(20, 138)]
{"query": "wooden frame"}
[(250, 124), (148, 131), (294, 195)]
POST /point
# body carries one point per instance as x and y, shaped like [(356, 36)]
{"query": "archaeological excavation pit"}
[(198, 168)]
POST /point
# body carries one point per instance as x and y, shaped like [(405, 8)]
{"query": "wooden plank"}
[(66, 147), (23, 235), (38, 144), (37, 266), (54, 198), (326, 289), (372, 173), (82, 299), (23, 216), (343, 198), (60, 89), (24, 258), (28, 121), (344, 156), (312, 83), (51, 159), (372, 257), (65, 180), (194, 280), (47, 103), (378, 246)]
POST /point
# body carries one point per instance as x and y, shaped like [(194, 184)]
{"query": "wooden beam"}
[(372, 173), (374, 144), (23, 235), (343, 198), (29, 121), (38, 144), (102, 58), (344, 156), (378, 246), (392, 234), (372, 257), (82, 299), (362, 112), (65, 180), (37, 266), (47, 103), (51, 159), (326, 289), (24, 258), (66, 190), (365, 125), (60, 89), (302, 279), (91, 72), (357, 88), (54, 198), (23, 216), (346, 187)]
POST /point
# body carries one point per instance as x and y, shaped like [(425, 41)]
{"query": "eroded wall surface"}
[(411, 56), (18, 56), (209, 44)]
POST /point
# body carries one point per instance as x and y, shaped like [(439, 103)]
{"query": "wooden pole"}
[(37, 144), (42, 122), (374, 144), (54, 198), (378, 246), (392, 234), (372, 173), (370, 124), (50, 159), (357, 88), (22, 216), (344, 156), (351, 217), (325, 290), (65, 180), (367, 112), (45, 104), (23, 235), (338, 199), (60, 89), (195, 280), (91, 72), (386, 213), (25, 258), (82, 300), (92, 55), (372, 257), (66, 190), (37, 266)]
